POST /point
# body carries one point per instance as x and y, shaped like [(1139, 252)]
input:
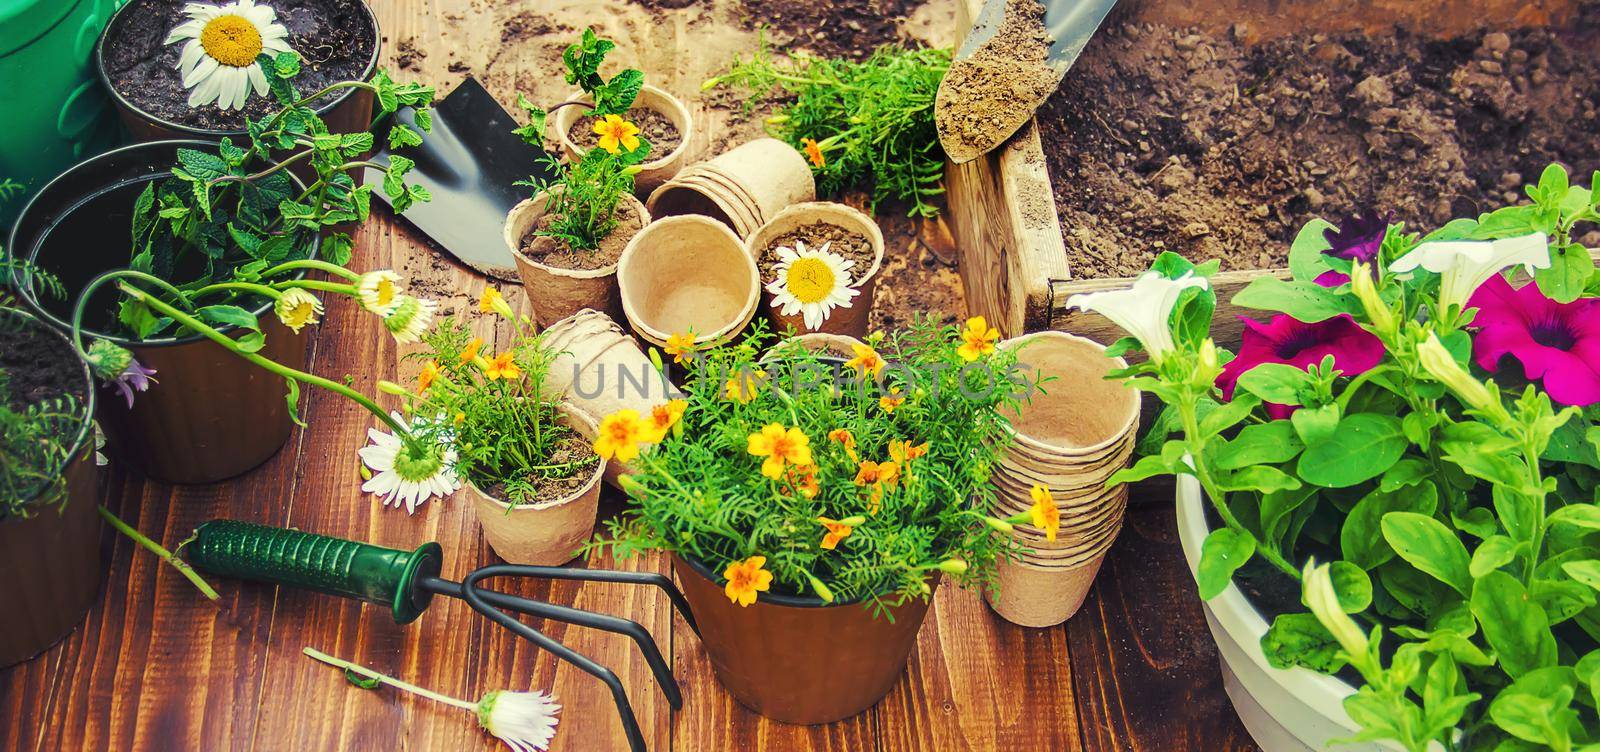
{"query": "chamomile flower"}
[(298, 307), (811, 283), (379, 291), (409, 474), (222, 42), (410, 319)]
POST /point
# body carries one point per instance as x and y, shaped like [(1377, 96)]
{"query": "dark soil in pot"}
[(1167, 138), (555, 253), (851, 246), (38, 365), (654, 127), (334, 38), (541, 488)]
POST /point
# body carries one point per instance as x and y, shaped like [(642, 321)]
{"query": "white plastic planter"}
[(1285, 710)]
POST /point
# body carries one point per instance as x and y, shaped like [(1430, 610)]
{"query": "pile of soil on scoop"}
[(333, 39), (1169, 139)]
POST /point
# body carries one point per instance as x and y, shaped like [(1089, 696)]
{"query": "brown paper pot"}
[(1061, 476), (556, 293), (852, 320), (687, 273), (658, 170), (822, 343), (547, 533), (1080, 413), (766, 176), (797, 660), (1034, 597)]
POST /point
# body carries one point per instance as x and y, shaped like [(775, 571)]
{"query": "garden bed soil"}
[(850, 246), (1173, 139), (333, 37), (38, 366), (654, 127), (982, 92), (571, 449), (842, 28), (557, 254)]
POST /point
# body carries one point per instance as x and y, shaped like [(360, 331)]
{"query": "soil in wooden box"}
[(1170, 139), (333, 38)]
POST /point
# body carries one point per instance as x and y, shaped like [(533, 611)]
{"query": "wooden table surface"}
[(156, 667)]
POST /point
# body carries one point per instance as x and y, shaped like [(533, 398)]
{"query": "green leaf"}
[(202, 165), (616, 96), (1259, 444), (1585, 516), (1361, 538), (1306, 259), (1564, 280), (1494, 553), (361, 680), (229, 315), (1352, 585), (1430, 546), (1305, 301), (1261, 478), (336, 248), (1586, 572), (1407, 472), (1362, 447), (1228, 414), (139, 319), (402, 136), (1301, 640), (1315, 424), (1276, 382), (1222, 553), (286, 65), (1537, 707), (1517, 628), (293, 398)]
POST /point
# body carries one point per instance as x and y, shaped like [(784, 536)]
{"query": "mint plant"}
[(607, 96), (1413, 439)]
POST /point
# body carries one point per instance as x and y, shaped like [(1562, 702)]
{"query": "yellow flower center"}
[(385, 292), (301, 312), (231, 40), (810, 280)]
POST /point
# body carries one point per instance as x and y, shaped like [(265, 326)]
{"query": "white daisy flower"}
[(379, 291), (811, 283), (218, 62), (525, 721), (410, 319), (297, 307), (408, 474)]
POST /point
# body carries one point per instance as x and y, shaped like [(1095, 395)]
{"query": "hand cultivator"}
[(407, 581)]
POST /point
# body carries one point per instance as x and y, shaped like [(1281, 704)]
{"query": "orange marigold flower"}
[(664, 416), (877, 473), (471, 351), (1046, 515), (837, 531), (679, 346), (813, 151), (780, 446), (620, 434), (743, 386), (493, 301), (430, 373), (891, 400), (615, 132), (502, 367), (803, 478), (746, 579), (845, 439), (866, 361), (904, 451), (977, 339)]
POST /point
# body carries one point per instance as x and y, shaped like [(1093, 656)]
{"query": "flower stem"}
[(317, 264), (166, 556), (1191, 429), (389, 680), (316, 284), (100, 281), (249, 287)]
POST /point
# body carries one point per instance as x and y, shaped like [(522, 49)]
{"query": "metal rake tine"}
[(578, 616), (661, 581), (475, 598)]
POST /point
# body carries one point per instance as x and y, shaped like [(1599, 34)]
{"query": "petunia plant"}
[(1410, 441), (850, 480)]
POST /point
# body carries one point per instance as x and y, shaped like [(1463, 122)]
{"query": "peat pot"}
[(687, 274), (795, 659), (742, 188), (863, 277), (211, 415), (555, 292), (1285, 710), (52, 557), (344, 111), (547, 533), (661, 167)]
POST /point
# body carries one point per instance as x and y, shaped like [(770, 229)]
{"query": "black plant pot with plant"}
[(49, 487)]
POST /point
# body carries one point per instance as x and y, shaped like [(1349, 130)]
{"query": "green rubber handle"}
[(384, 576)]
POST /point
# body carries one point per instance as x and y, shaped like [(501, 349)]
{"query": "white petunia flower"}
[(1143, 310), (1464, 265), (218, 62), (408, 474), (525, 721), (811, 283)]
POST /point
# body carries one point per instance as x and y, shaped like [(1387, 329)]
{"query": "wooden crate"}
[(1002, 209)]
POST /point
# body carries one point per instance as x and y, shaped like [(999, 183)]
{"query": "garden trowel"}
[(997, 81)]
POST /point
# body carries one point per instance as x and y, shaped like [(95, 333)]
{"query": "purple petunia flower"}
[(134, 378), (1556, 342), (1291, 342), (1357, 237)]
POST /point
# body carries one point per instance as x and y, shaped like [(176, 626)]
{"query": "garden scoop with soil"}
[(407, 581), (1011, 62)]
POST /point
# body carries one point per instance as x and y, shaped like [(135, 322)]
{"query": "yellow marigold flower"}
[(620, 434), (502, 367), (471, 352), (803, 478), (877, 476), (866, 361), (461, 418), (297, 307), (837, 531), (491, 301), (977, 339), (679, 346), (430, 373), (664, 417), (813, 152), (904, 451), (1046, 515), (780, 446), (746, 579), (846, 439), (744, 385), (615, 131), (891, 400)]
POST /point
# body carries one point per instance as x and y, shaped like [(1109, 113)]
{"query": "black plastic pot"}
[(349, 111), (212, 414), (52, 557)]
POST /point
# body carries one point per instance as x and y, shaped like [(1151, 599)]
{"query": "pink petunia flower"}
[(1556, 342), (1289, 341)]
